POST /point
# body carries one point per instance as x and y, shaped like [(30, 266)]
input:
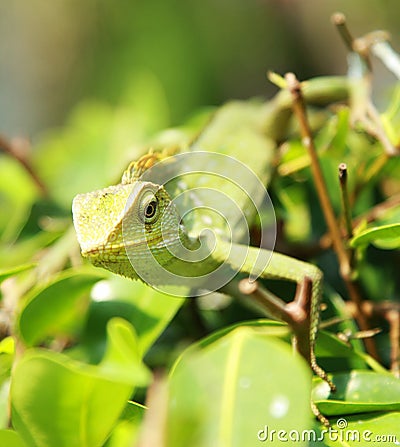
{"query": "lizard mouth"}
[(117, 251)]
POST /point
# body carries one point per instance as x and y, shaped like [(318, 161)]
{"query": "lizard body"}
[(135, 221)]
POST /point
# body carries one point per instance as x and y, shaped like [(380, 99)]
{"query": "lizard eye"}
[(150, 210)]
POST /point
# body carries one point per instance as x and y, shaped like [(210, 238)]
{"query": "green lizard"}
[(136, 229)]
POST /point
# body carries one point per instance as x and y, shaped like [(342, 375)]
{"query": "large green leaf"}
[(11, 271), (148, 310), (362, 430), (57, 401), (227, 393), (328, 345), (358, 392), (9, 438), (56, 307)]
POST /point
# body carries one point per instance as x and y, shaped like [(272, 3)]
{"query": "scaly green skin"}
[(248, 131)]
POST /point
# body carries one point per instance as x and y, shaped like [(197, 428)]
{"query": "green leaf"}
[(385, 236), (363, 430), (57, 307), (334, 134), (10, 438), (262, 326), (226, 393), (7, 348), (390, 118), (148, 310), (8, 272), (68, 403), (297, 218), (358, 392), (133, 412), (125, 432), (122, 359), (17, 194), (25, 250), (328, 345)]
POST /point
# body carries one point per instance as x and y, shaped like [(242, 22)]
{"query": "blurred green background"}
[(54, 54)]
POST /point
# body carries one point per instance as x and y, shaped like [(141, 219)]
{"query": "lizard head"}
[(134, 228), (124, 223)]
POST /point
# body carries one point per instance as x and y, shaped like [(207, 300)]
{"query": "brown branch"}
[(322, 190), (325, 241), (342, 254), (378, 210), (153, 427), (297, 314), (346, 212), (363, 109), (372, 309), (390, 311), (15, 152), (274, 306), (393, 317), (339, 20)]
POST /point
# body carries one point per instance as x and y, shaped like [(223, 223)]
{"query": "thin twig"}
[(322, 190), (372, 309), (360, 71), (362, 320), (346, 211), (342, 254), (9, 148), (390, 311), (378, 210), (348, 334), (339, 20), (345, 199), (353, 45), (369, 216)]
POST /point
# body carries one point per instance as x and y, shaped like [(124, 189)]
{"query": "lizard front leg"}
[(303, 313)]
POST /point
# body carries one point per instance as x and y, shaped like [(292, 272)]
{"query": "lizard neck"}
[(188, 261)]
